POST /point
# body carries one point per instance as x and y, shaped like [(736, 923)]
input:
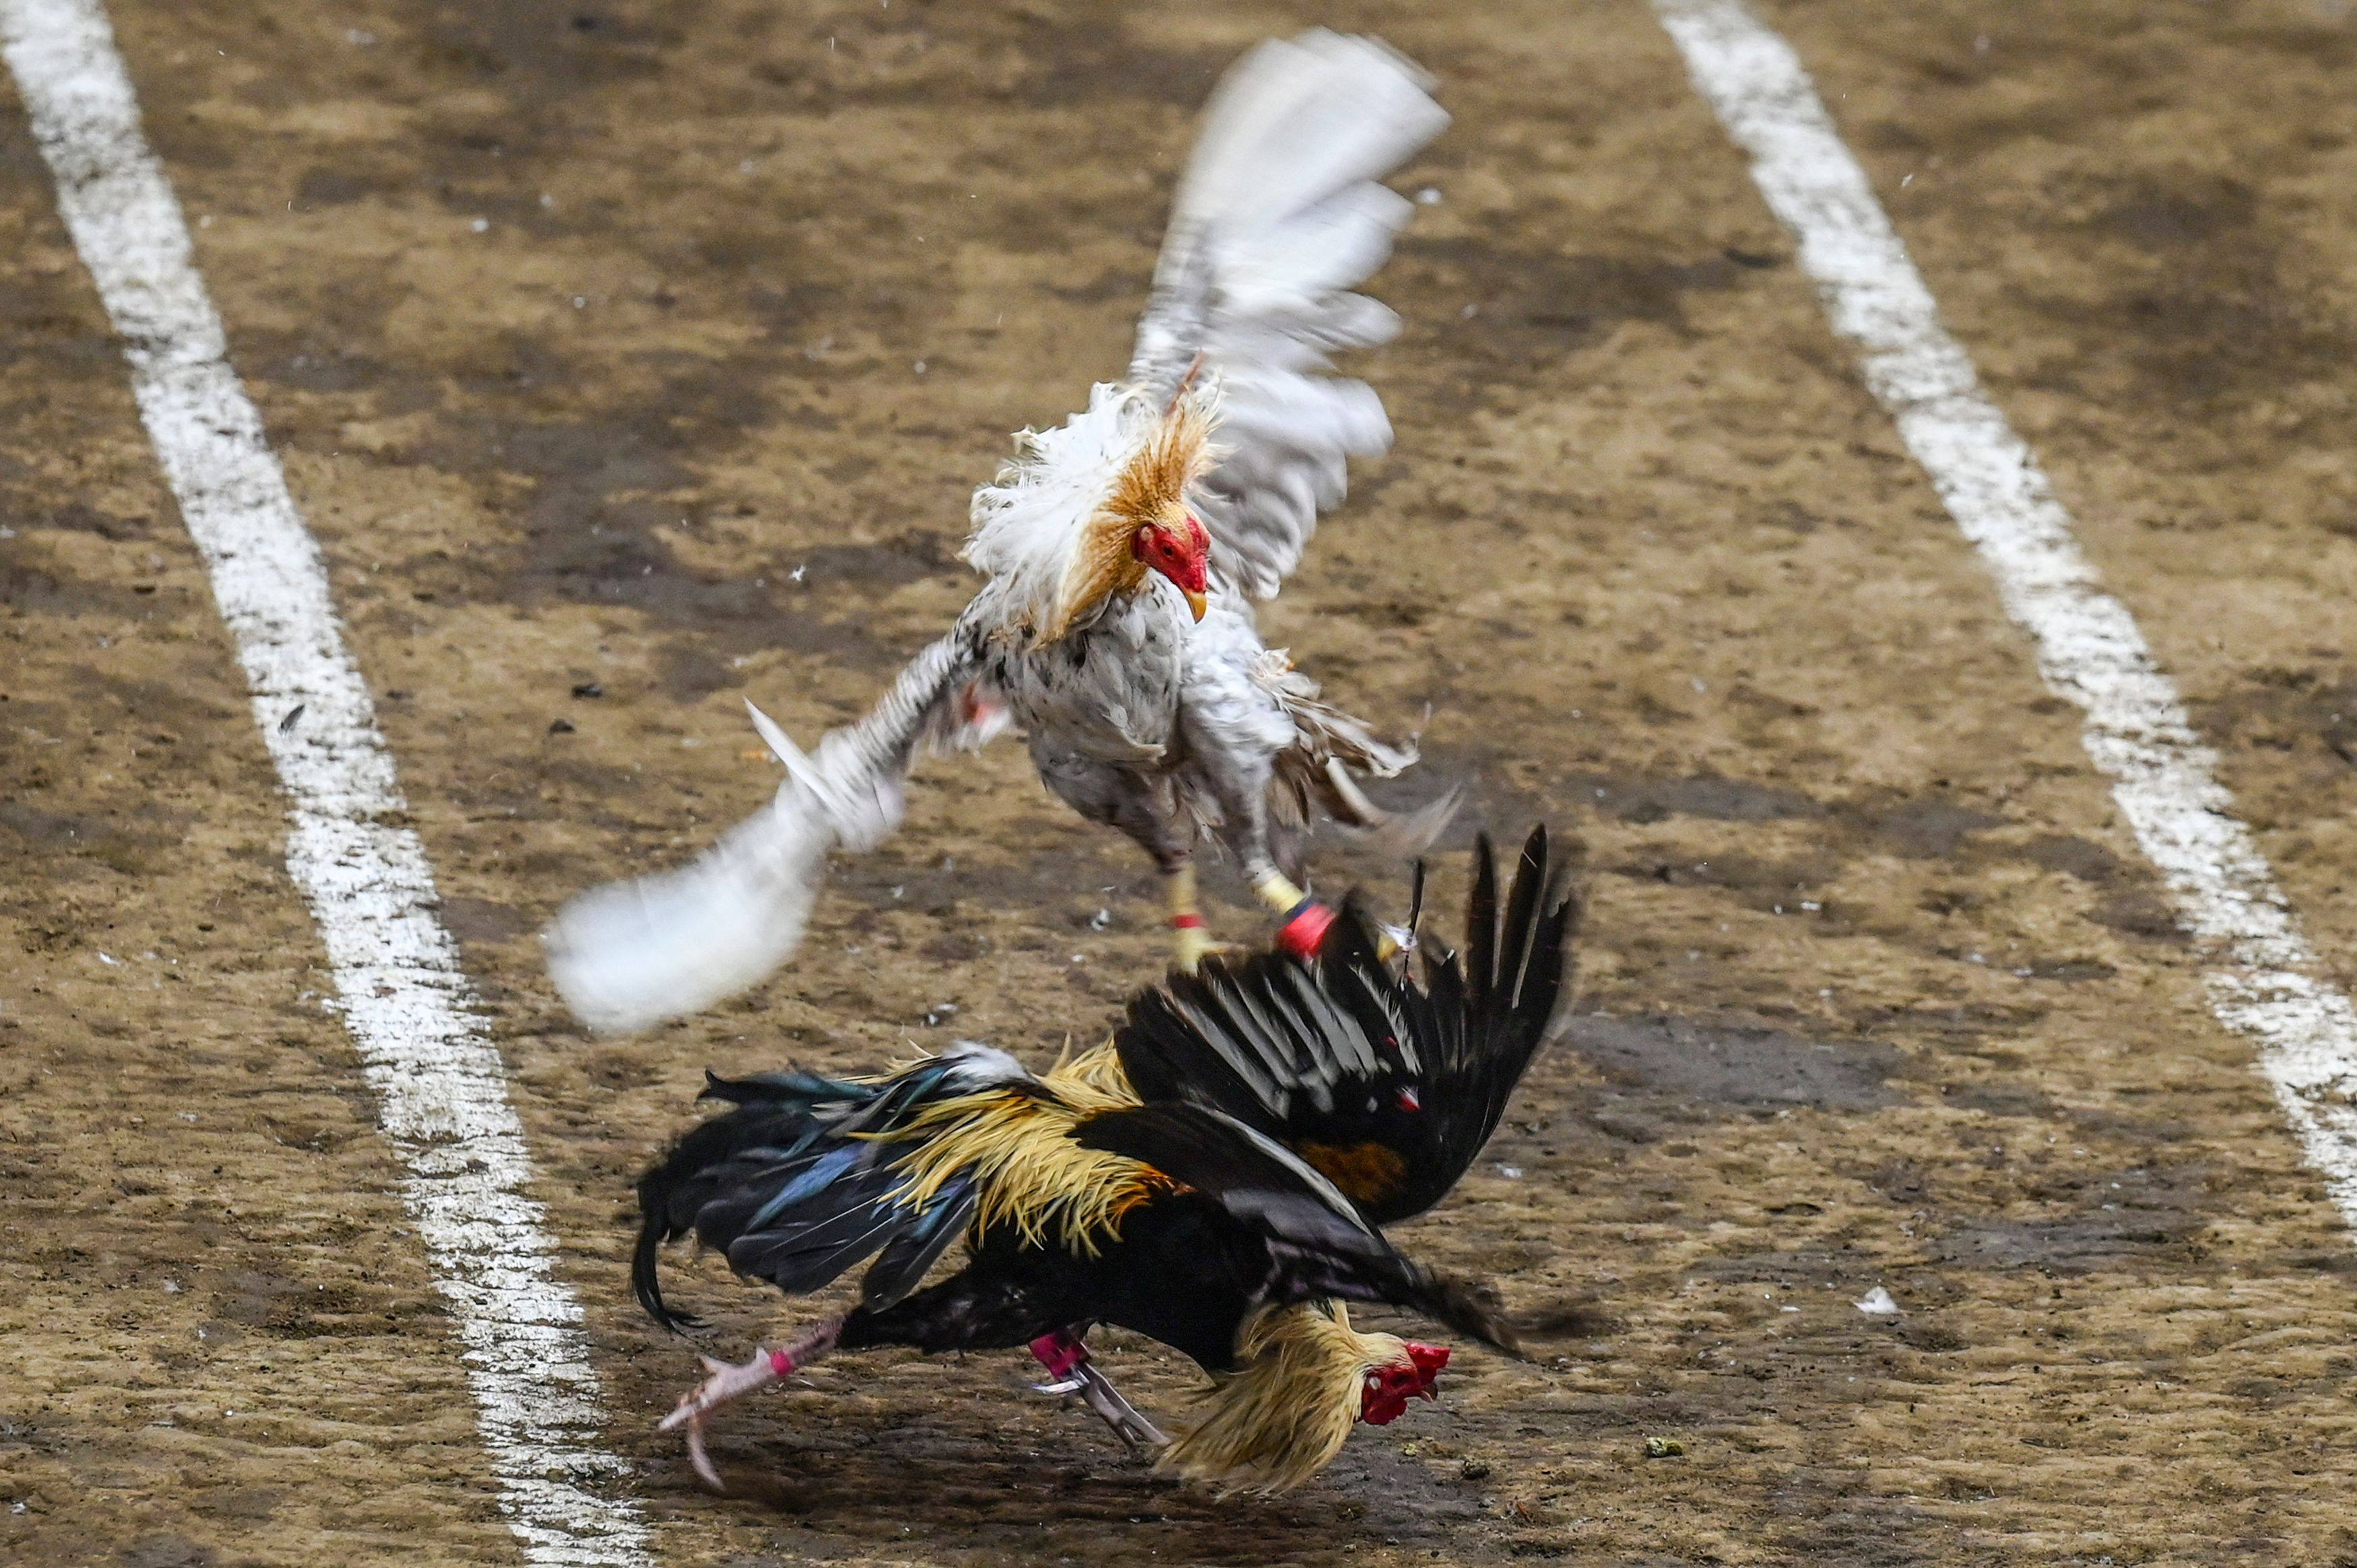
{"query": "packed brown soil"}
[(657, 346)]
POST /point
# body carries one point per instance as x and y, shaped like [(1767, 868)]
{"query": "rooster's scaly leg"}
[(1188, 937), (1305, 919), (727, 1382)]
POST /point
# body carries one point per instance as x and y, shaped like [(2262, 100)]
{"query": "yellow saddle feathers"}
[(1017, 1151), (1093, 1079)]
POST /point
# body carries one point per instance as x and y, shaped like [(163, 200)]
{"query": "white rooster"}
[(1124, 552)]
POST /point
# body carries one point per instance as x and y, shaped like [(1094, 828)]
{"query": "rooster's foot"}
[(727, 1381), (1190, 944)]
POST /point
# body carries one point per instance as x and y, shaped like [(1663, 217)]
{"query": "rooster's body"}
[(1124, 551), (1213, 1178)]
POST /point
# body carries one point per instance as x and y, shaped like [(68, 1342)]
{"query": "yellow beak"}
[(1195, 602)]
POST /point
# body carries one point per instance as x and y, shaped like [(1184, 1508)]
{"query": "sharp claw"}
[(697, 1457), (1115, 1412), (723, 1382), (1066, 1356)]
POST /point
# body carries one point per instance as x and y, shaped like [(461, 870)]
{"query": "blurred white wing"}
[(631, 954), (635, 953), (1278, 216)]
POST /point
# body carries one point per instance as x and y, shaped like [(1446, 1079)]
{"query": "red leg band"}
[(781, 1362), (1303, 930), (1059, 1352), (1187, 922)]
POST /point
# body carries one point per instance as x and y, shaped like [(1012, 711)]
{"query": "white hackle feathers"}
[(1052, 531), (1026, 520)]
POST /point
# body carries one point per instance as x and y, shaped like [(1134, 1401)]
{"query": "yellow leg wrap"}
[(1188, 940), (1278, 892)]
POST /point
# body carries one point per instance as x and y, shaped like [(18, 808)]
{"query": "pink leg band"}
[(781, 1362)]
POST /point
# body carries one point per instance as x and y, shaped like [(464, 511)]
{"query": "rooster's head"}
[(1390, 1386), (1181, 551), (1145, 525), (1094, 512), (1159, 531)]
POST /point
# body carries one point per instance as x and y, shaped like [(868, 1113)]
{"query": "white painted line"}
[(2265, 980), (441, 1091)]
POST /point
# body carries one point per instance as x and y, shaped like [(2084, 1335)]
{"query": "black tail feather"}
[(1482, 922), (901, 1267), (1469, 1306), (646, 1258), (808, 1243), (706, 1165), (793, 1187)]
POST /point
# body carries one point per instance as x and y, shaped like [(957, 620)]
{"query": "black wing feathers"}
[(1469, 1306), (1250, 1175), (1388, 1087), (1324, 1246), (903, 1262)]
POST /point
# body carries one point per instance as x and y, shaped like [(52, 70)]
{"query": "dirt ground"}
[(657, 346)]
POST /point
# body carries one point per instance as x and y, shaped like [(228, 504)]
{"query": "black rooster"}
[(1213, 1177)]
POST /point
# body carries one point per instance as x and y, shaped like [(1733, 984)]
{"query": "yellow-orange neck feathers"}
[(1150, 491)]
